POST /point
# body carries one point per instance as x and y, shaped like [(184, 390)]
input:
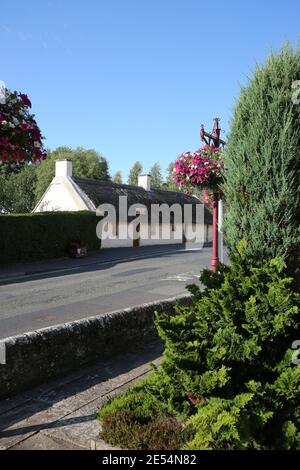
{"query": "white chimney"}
[(63, 168), (144, 181)]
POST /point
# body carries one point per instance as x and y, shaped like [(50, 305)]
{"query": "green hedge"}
[(28, 237)]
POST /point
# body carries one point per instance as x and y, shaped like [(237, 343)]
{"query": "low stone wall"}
[(39, 356)]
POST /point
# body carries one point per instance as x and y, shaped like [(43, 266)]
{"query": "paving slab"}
[(41, 442), (63, 413)]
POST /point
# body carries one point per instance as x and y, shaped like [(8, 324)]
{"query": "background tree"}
[(117, 178), (134, 173), (169, 184), (263, 165), (87, 163), (17, 190), (156, 176)]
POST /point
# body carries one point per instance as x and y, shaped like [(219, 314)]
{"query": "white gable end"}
[(63, 194)]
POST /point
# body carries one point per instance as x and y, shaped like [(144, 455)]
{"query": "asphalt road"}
[(58, 292)]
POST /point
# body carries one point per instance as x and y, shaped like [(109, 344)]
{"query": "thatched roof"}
[(106, 192)]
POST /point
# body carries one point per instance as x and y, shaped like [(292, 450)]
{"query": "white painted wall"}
[(149, 241), (116, 243), (62, 195), (208, 233), (63, 168), (144, 181)]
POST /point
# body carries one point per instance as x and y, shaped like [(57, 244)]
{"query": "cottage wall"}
[(116, 243), (60, 197), (67, 193)]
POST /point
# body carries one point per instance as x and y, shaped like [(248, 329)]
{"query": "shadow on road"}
[(96, 262)]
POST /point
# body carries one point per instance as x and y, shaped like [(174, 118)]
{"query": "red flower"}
[(22, 142), (25, 100), (37, 134), (38, 154)]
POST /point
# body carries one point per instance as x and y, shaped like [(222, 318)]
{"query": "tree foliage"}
[(117, 178), (169, 183), (87, 163), (134, 173), (17, 190), (262, 189), (156, 176)]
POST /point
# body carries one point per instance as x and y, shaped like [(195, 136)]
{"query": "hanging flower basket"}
[(20, 136), (202, 169)]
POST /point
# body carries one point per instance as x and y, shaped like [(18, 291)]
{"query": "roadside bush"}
[(227, 371), (28, 237)]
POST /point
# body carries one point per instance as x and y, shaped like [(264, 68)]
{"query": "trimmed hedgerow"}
[(227, 372), (28, 237)]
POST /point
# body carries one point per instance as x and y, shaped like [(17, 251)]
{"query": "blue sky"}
[(135, 79)]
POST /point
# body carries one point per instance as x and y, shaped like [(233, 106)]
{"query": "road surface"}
[(69, 290)]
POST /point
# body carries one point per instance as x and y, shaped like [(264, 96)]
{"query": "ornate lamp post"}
[(213, 139), (204, 169)]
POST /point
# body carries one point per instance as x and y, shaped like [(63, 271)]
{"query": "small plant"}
[(122, 429), (139, 420)]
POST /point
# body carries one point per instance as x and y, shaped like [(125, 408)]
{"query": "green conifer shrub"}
[(262, 156), (227, 373)]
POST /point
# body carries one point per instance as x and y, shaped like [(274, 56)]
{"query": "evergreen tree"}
[(169, 184), (156, 177), (134, 173), (263, 165), (117, 178)]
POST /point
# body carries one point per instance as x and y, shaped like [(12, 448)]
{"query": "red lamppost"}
[(213, 139)]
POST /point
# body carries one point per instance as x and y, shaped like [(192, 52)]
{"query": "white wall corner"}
[(63, 168), (144, 181)]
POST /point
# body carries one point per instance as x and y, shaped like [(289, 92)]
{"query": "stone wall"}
[(37, 357)]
